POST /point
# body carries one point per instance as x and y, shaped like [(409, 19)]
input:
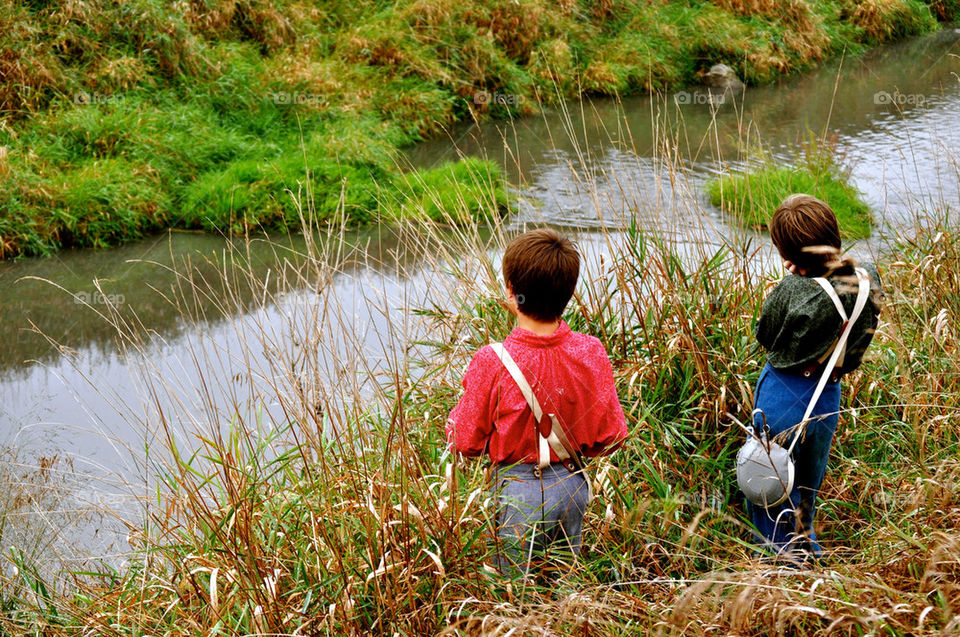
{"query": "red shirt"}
[(571, 376)]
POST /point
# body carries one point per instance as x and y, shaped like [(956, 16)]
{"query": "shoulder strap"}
[(832, 293), (557, 439), (520, 379), (828, 288), (862, 294)]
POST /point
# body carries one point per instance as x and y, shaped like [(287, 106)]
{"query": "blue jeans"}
[(538, 518), (787, 529)]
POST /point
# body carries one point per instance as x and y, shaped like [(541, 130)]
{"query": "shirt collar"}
[(530, 339)]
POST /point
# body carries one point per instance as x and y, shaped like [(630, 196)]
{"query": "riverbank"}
[(119, 120), (348, 519)]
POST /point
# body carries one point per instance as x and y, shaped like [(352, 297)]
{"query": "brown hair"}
[(806, 231), (541, 268)]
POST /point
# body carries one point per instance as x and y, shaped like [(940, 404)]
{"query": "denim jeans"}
[(787, 529), (538, 519)]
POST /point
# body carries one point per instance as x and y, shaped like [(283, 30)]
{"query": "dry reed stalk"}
[(307, 491)]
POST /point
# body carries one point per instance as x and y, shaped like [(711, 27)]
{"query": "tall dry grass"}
[(309, 491)]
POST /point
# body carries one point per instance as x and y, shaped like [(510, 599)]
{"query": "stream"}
[(68, 393)]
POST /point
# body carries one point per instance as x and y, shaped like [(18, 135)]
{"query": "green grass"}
[(221, 107), (754, 196)]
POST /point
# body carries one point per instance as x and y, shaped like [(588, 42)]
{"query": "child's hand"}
[(790, 267)]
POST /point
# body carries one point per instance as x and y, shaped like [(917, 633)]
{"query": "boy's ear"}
[(511, 303)]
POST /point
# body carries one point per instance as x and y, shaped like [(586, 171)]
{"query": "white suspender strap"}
[(828, 288), (557, 439), (518, 376), (521, 380), (862, 294)]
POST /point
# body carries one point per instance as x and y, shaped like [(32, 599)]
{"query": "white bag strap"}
[(828, 288), (832, 293), (545, 443), (863, 294)]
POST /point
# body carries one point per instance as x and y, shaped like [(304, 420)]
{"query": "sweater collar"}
[(530, 339)]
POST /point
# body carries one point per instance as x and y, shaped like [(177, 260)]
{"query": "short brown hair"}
[(806, 232), (541, 268)]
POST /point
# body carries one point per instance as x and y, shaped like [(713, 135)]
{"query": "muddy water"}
[(67, 391)]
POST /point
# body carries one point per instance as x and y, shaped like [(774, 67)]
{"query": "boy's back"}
[(799, 322), (571, 376), (541, 503)]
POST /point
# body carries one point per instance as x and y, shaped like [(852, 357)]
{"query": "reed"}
[(310, 492)]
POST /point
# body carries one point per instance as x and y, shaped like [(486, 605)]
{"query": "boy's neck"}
[(540, 328)]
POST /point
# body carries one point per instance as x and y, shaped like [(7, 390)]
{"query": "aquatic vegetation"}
[(753, 196)]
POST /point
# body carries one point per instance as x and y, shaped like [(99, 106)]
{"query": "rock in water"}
[(722, 77)]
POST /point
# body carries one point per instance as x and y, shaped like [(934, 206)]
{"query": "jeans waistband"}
[(553, 471)]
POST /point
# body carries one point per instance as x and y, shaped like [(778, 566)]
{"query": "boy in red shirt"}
[(571, 378)]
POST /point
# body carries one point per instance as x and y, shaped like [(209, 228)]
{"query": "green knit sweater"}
[(799, 322)]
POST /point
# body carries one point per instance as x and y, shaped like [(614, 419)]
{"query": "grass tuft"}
[(752, 197)]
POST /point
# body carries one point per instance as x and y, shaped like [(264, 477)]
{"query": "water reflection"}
[(605, 164), (894, 113), (50, 306)]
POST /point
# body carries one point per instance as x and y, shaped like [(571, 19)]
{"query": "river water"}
[(67, 392)]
